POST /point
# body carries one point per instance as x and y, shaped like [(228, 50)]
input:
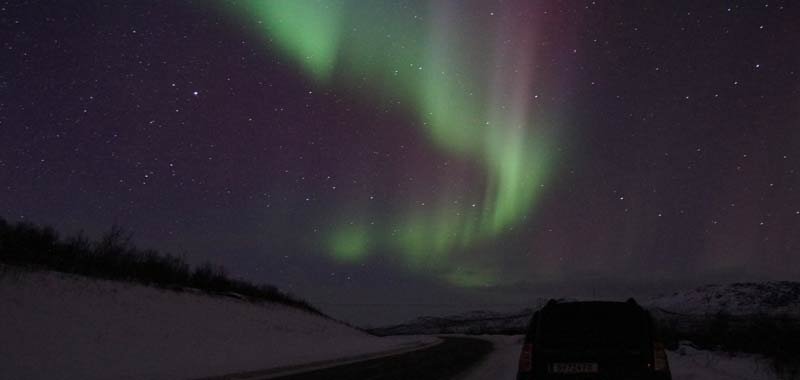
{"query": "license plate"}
[(574, 368)]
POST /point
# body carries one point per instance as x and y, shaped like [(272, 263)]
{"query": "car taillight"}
[(526, 358), (659, 357)]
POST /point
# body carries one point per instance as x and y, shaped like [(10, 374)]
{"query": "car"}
[(592, 340)]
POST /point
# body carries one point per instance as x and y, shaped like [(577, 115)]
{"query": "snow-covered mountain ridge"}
[(473, 322), (747, 298), (780, 298)]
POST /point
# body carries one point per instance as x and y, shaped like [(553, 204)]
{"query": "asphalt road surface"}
[(443, 361)]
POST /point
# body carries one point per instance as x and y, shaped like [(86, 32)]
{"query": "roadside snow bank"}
[(690, 363), (56, 325)]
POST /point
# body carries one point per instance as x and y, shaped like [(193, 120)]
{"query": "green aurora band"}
[(470, 91)]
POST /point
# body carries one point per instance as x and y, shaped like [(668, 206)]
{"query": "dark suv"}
[(592, 340)]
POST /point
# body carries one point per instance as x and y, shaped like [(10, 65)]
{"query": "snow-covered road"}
[(501, 363)]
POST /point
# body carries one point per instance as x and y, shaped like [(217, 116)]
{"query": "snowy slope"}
[(772, 298), (61, 326)]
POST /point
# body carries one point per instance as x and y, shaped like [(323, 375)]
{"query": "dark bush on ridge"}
[(115, 257)]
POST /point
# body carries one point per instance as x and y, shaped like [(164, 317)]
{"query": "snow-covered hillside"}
[(738, 299), (771, 298), (60, 326)]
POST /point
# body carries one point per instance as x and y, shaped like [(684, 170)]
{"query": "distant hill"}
[(753, 317), (737, 299), (780, 298), (473, 322)]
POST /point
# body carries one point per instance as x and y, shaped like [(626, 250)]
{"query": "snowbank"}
[(692, 364), (55, 325)]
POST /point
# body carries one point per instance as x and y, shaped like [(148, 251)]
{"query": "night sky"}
[(384, 160)]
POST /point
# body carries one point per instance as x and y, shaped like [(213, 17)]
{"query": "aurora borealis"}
[(468, 84), (387, 159)]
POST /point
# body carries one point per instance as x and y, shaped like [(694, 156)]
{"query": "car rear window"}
[(593, 326)]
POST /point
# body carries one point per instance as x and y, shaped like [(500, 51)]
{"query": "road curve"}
[(443, 361)]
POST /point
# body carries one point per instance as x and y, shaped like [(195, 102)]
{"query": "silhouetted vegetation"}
[(115, 257)]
